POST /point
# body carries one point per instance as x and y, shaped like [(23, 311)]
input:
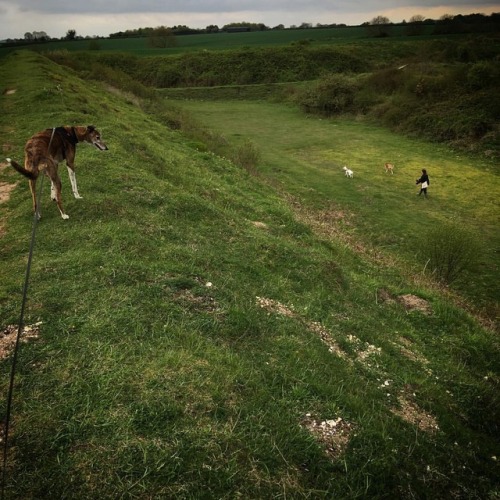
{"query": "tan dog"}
[(389, 168), (46, 149)]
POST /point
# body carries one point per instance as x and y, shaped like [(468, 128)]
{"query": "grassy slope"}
[(148, 383)]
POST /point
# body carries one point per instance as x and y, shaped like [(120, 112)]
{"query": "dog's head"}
[(93, 136)]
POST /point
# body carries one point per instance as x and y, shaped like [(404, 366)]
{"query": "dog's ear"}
[(90, 128)]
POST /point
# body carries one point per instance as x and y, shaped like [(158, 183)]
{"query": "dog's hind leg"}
[(56, 186), (36, 203), (74, 187)]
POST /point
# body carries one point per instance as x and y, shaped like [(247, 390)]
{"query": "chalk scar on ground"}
[(332, 434), (410, 412), (363, 350)]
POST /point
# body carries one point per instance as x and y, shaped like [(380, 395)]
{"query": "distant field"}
[(216, 41)]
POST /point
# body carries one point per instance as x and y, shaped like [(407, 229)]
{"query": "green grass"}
[(216, 41), (306, 155), (146, 382)]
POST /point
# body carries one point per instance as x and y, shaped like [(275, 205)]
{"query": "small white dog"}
[(348, 172)]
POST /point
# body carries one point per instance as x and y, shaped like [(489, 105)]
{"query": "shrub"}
[(333, 94), (246, 156), (387, 80), (449, 251), (482, 75)]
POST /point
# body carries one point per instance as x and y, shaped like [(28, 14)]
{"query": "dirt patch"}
[(409, 301), (5, 190), (199, 303), (275, 307), (333, 434), (410, 412), (8, 336), (259, 224), (414, 303), (408, 351), (327, 339), (363, 349), (5, 187)]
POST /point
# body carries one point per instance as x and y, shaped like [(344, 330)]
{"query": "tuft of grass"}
[(450, 251)]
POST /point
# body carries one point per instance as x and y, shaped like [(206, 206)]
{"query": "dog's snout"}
[(101, 145)]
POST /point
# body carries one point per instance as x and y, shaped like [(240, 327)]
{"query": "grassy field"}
[(206, 332), (215, 41), (221, 41), (306, 155)]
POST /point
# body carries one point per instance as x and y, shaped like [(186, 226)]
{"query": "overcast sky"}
[(102, 17)]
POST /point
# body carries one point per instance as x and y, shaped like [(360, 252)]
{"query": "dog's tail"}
[(21, 170)]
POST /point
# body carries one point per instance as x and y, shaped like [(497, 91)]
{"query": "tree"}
[(380, 21), (379, 27), (415, 25), (70, 35), (417, 18), (161, 38)]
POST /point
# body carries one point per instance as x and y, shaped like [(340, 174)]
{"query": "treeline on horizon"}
[(379, 26), (470, 23)]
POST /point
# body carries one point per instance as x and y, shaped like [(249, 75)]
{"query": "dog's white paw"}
[(78, 197), (65, 216), (8, 160)]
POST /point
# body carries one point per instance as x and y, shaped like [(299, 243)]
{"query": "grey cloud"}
[(212, 6)]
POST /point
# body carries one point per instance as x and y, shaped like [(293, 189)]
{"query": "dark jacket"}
[(424, 178)]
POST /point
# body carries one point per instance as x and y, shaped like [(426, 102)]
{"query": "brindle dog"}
[(46, 149)]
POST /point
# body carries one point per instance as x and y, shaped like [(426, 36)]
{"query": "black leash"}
[(19, 332)]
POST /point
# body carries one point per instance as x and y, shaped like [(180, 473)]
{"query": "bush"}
[(482, 75), (333, 94), (246, 156), (449, 251)]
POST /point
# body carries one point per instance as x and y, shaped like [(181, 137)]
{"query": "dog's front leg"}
[(74, 187), (53, 195)]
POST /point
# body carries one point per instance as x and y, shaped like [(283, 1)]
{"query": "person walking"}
[(424, 183)]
